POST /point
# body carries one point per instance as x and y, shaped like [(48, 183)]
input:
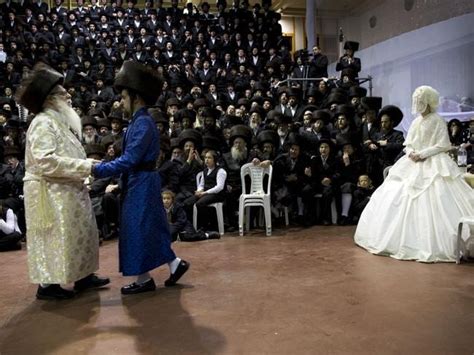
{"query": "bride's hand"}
[(415, 157)]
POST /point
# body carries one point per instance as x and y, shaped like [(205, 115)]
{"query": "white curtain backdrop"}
[(440, 55)]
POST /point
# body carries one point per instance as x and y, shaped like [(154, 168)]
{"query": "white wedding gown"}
[(414, 214)]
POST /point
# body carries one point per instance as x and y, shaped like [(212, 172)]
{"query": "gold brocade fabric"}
[(63, 244)]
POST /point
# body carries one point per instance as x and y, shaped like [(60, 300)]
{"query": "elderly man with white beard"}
[(63, 244), (240, 137), (89, 130)]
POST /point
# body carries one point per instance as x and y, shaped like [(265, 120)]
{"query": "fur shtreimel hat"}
[(141, 79), (395, 114), (35, 89), (241, 131), (190, 135), (268, 136)]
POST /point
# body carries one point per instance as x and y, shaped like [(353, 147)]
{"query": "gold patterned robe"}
[(63, 243)]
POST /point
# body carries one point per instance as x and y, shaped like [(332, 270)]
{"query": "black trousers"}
[(205, 213), (10, 241)]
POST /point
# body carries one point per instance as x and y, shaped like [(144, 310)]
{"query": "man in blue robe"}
[(145, 241)]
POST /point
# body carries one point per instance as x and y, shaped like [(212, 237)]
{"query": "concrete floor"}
[(307, 291)]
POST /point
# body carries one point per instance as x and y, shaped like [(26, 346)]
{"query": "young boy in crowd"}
[(361, 196), (179, 224)]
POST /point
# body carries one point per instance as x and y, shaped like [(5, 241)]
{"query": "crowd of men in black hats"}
[(225, 91)]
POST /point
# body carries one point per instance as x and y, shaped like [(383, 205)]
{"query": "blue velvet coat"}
[(145, 241)]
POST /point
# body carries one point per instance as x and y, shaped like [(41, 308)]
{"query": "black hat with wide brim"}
[(357, 91), (103, 122), (140, 79), (211, 112), (108, 140), (323, 115), (336, 98), (185, 113), (371, 103), (314, 92), (392, 111), (241, 131), (297, 139), (35, 89), (211, 142), (284, 119), (190, 135), (94, 149), (89, 121), (158, 116), (351, 45), (268, 136), (347, 110), (329, 142), (174, 143), (11, 151)]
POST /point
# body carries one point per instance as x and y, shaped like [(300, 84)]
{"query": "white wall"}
[(440, 55), (392, 19)]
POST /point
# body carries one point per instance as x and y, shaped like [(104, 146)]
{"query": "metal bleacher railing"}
[(331, 79)]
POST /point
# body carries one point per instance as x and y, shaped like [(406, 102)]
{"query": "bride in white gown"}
[(413, 215)]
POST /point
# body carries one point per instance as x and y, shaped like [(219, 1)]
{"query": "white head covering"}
[(423, 97)]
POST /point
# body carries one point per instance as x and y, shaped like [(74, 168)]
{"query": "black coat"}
[(389, 152), (319, 66), (343, 63)]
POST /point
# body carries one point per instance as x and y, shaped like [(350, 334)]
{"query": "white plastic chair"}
[(256, 196), (468, 220), (219, 213)]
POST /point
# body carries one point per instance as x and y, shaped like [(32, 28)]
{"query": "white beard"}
[(254, 125), (89, 139), (68, 115), (238, 155)]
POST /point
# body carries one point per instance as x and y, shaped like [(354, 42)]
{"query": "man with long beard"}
[(63, 245), (240, 136), (89, 127)]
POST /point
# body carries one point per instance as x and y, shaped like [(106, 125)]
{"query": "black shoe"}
[(213, 235), (343, 221), (91, 281), (135, 288), (326, 222), (53, 292), (180, 271)]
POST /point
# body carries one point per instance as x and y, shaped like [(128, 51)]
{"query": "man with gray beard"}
[(89, 130), (63, 243), (240, 137)]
